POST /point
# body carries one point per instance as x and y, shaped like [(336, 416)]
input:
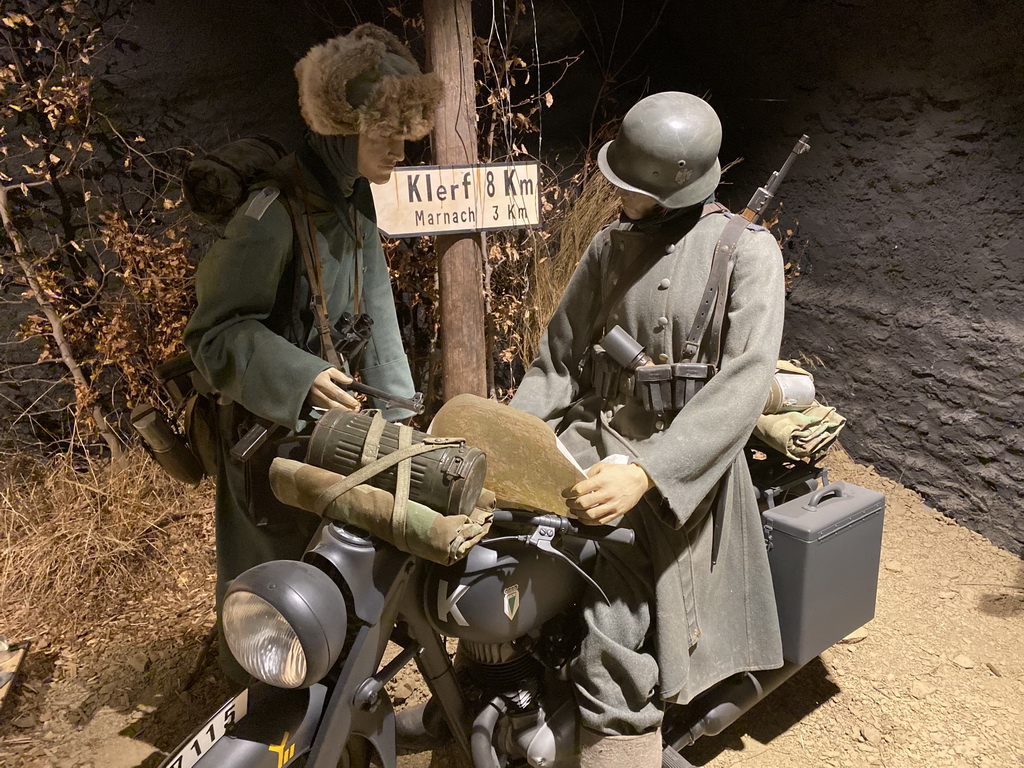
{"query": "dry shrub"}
[(80, 542), (573, 222)]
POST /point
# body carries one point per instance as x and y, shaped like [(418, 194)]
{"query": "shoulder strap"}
[(347, 211), (306, 238), (597, 329), (712, 306)]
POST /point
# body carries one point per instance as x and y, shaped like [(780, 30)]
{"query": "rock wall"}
[(907, 214)]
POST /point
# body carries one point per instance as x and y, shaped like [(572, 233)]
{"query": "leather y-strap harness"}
[(293, 185), (711, 313)]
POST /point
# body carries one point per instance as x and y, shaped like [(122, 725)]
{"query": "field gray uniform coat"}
[(710, 619), (244, 340)]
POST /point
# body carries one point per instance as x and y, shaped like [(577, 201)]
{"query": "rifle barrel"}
[(802, 145), (755, 208), (414, 404)]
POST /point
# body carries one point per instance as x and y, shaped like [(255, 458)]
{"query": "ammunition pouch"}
[(259, 502), (662, 388), (658, 388)]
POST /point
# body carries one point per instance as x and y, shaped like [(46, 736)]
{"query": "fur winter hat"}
[(368, 81)]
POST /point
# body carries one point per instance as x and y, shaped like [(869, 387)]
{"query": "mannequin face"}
[(636, 205), (377, 156)]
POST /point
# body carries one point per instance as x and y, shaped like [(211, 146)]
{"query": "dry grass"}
[(581, 218), (80, 541)]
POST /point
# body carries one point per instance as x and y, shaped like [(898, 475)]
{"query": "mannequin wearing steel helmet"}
[(666, 148), (362, 95), (686, 608)]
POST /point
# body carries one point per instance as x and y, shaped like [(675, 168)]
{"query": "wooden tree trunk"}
[(449, 36), (56, 322)]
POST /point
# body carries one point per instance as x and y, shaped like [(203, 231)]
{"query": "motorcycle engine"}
[(500, 591)]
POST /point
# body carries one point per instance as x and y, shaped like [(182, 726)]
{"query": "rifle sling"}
[(710, 311), (306, 238), (713, 303)]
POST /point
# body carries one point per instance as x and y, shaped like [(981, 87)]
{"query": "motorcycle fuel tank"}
[(500, 591)]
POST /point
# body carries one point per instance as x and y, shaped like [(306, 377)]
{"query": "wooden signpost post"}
[(449, 36)]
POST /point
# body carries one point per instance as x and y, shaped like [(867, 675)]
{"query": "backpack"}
[(217, 184)]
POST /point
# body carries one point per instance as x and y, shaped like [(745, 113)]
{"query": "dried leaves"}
[(115, 286)]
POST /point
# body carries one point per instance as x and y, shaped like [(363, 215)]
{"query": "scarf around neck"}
[(339, 154), (662, 218)]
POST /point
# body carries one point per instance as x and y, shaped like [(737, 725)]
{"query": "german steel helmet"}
[(667, 148)]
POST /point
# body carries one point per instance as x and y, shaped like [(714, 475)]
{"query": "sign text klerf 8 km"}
[(434, 200)]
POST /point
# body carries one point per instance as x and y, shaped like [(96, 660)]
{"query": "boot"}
[(599, 750)]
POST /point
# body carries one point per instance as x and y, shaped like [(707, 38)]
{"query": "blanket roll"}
[(800, 434), (416, 529)]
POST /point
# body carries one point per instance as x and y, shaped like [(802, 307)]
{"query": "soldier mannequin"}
[(252, 335), (691, 603)]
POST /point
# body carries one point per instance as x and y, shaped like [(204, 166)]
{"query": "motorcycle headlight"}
[(284, 622)]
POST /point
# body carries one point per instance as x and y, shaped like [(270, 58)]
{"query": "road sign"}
[(445, 199)]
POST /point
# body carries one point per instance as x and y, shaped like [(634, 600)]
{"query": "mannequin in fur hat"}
[(252, 336)]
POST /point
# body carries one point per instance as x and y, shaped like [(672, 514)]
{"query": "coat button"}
[(622, 246), (662, 358), (670, 247), (664, 284), (662, 321), (659, 425)]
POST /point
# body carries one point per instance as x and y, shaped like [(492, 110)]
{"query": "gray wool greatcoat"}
[(243, 339), (709, 619)]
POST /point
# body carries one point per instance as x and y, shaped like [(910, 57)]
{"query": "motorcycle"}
[(316, 632)]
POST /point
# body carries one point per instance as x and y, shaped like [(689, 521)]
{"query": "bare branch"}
[(56, 324)]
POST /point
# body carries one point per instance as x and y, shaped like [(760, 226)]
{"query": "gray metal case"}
[(824, 554)]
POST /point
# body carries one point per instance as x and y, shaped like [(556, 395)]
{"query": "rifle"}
[(755, 208)]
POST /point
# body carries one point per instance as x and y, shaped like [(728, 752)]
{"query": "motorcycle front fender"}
[(268, 728)]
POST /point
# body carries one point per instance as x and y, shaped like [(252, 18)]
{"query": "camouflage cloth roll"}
[(801, 434), (420, 531)]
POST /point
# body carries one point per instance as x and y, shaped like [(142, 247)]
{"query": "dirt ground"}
[(935, 681)]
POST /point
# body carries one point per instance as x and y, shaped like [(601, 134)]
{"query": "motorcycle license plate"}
[(211, 732)]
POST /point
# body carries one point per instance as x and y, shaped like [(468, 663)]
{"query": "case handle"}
[(838, 488)]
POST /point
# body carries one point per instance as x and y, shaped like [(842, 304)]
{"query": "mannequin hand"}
[(326, 392), (609, 492)]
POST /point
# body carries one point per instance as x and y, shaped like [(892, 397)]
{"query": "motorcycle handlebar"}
[(567, 526)]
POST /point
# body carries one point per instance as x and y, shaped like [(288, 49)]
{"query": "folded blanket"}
[(800, 434), (416, 529)]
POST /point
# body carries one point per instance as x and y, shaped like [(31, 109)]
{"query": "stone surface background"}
[(908, 230)]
